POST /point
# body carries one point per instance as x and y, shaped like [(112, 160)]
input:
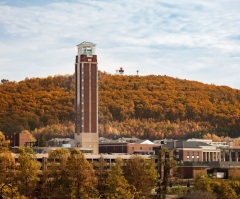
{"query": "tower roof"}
[(86, 43)]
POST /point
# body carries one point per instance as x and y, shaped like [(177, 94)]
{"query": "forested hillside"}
[(144, 106)]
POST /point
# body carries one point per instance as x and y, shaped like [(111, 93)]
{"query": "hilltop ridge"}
[(150, 106)]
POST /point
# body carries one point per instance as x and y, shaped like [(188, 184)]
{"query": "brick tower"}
[(86, 97)]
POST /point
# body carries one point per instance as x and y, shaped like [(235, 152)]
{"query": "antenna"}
[(121, 71)]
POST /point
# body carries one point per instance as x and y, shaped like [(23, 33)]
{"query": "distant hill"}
[(144, 106)]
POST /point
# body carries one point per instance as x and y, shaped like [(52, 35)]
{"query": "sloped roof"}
[(86, 43), (185, 144), (61, 139), (147, 142), (144, 142)]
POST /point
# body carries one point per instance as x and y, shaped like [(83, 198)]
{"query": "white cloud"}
[(185, 39)]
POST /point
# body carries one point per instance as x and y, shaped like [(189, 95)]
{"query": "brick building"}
[(128, 146), (18, 139), (217, 160)]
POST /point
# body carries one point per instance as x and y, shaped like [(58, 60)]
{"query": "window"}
[(167, 155)]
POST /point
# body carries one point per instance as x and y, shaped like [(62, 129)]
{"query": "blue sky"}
[(194, 40)]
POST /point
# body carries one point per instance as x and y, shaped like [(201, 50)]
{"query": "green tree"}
[(81, 176), (7, 168), (7, 173), (55, 177), (117, 187), (141, 173), (27, 172), (168, 164), (224, 190), (236, 141), (41, 140), (101, 174), (203, 182), (212, 137), (235, 184), (4, 144), (4, 81)]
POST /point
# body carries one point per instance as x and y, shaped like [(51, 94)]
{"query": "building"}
[(42, 155), (86, 97), (127, 146), (193, 156), (217, 159), (210, 142), (18, 139), (191, 151), (60, 142)]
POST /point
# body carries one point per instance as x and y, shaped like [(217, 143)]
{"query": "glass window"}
[(87, 51)]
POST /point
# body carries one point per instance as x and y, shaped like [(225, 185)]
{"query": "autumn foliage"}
[(145, 106)]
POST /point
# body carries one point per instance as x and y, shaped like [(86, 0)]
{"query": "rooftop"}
[(86, 43)]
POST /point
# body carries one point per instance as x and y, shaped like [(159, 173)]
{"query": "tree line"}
[(69, 175), (208, 188), (144, 106)]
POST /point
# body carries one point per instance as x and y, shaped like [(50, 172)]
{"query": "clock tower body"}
[(86, 97)]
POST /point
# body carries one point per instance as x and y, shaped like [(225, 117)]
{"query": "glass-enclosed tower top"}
[(86, 48)]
